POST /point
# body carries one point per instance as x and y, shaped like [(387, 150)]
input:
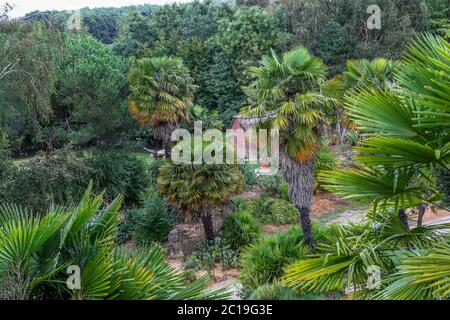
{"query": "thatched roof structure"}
[(247, 123)]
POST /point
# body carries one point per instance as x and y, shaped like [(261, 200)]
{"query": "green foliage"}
[(271, 185), (248, 171), (194, 188), (118, 172), (161, 93), (443, 183), (326, 161), (62, 176), (29, 52), (439, 17), (38, 250), (264, 261), (59, 178), (334, 46), (241, 229), (292, 88), (153, 221), (273, 211), (210, 118), (383, 241), (100, 113), (5, 158), (208, 254), (404, 132), (153, 170)]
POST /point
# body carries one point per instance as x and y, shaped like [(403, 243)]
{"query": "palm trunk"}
[(300, 180), (208, 225), (403, 218), (163, 132), (420, 215)]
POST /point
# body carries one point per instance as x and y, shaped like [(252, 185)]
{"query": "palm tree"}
[(292, 89), (35, 252), (376, 73), (406, 137), (161, 93), (197, 189), (405, 132), (363, 73)]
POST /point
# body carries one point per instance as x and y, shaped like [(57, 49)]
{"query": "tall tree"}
[(161, 92), (293, 90), (92, 87)]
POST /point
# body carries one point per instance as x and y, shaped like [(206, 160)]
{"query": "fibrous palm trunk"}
[(208, 224), (163, 132), (300, 180), (421, 209)]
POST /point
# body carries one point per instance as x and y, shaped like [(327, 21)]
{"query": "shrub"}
[(6, 163), (263, 261), (241, 229), (240, 204), (277, 291), (443, 182), (153, 170), (274, 211), (153, 221), (248, 171), (59, 178), (284, 191), (208, 254), (62, 177), (271, 185), (119, 173)]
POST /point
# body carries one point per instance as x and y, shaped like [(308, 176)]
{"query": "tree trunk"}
[(208, 225), (163, 132), (300, 180), (403, 218), (421, 209)]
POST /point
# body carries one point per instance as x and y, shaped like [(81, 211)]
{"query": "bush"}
[(241, 229), (271, 185), (6, 163), (273, 211), (248, 171), (443, 183), (240, 204), (153, 170), (153, 221), (119, 173), (263, 261), (208, 254), (62, 177), (59, 178), (277, 291)]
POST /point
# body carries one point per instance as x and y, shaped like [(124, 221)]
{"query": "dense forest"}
[(80, 109)]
